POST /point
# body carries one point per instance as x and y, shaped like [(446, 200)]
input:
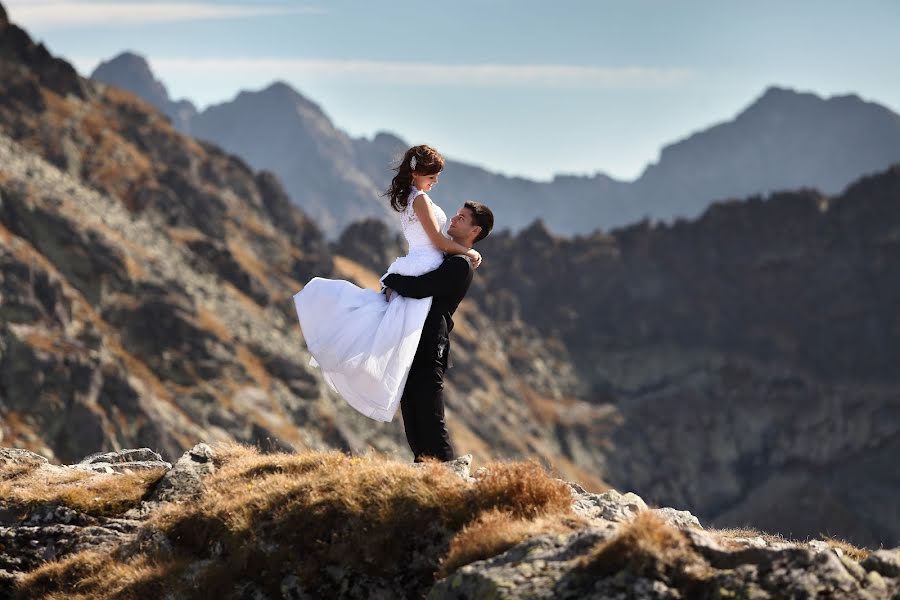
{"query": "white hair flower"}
[(412, 162)]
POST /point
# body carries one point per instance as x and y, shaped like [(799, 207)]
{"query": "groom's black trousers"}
[(422, 402), (422, 405)]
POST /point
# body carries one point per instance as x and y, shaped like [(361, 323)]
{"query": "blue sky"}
[(520, 87)]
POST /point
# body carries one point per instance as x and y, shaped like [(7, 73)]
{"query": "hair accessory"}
[(412, 162)]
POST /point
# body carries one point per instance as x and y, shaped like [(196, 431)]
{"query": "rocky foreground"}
[(231, 521)]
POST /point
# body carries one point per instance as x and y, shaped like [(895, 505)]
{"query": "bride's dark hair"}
[(428, 162)]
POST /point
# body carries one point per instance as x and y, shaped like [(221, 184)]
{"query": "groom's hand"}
[(387, 293)]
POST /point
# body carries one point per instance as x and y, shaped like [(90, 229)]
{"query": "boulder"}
[(184, 480), (122, 461)]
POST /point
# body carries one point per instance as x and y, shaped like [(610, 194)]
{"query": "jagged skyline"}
[(601, 87)]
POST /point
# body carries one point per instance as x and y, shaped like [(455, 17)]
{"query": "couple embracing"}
[(381, 350)]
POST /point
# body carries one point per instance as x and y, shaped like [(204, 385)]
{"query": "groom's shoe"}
[(459, 465)]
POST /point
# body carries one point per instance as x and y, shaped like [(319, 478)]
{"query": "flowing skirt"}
[(364, 344)]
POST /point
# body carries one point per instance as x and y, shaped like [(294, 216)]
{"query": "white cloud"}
[(419, 73), (49, 15)]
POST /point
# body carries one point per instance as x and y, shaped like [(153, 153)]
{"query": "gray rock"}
[(678, 518), (292, 589), (122, 456), (122, 461), (884, 562), (547, 567), (822, 546), (7, 583), (609, 506), (535, 568), (19, 455), (461, 466), (185, 479)]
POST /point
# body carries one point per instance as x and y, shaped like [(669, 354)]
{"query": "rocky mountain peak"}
[(133, 69), (786, 103), (278, 96), (132, 72), (17, 47), (387, 138)]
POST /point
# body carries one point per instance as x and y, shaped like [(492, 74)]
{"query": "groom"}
[(422, 402)]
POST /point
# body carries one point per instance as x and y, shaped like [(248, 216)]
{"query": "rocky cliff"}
[(233, 523), (146, 296), (752, 354)]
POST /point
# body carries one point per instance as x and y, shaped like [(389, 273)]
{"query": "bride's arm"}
[(429, 224)]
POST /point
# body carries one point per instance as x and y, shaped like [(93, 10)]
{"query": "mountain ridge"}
[(783, 139)]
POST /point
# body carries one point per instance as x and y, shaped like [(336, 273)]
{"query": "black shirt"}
[(447, 285)]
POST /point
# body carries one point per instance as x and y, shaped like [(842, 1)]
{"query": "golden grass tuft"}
[(92, 574), (98, 494), (15, 470), (261, 516), (748, 532), (647, 547), (496, 531), (851, 551), (523, 487)]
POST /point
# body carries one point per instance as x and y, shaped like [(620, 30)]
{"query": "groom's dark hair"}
[(482, 216)]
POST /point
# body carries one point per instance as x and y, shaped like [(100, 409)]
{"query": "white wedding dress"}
[(363, 344)]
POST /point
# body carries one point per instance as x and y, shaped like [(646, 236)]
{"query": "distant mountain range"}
[(783, 140)]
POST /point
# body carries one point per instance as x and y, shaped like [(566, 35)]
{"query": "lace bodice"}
[(412, 229), (423, 256)]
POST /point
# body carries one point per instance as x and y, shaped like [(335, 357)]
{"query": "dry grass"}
[(99, 494), (854, 552), (262, 516), (749, 532), (184, 234), (91, 575), (209, 321), (496, 531), (242, 252), (648, 547), (254, 367), (728, 534)]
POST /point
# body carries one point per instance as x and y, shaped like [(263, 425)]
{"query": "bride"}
[(364, 342)]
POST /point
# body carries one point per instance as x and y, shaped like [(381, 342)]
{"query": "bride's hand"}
[(475, 257)]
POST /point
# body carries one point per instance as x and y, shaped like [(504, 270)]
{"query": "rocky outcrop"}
[(750, 354), (620, 548), (549, 567), (32, 533)]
